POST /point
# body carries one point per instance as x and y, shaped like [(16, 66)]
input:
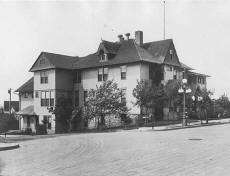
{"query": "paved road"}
[(195, 151)]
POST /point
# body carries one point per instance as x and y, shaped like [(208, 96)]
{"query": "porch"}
[(28, 120)]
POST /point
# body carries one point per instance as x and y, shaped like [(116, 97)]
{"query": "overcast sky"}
[(200, 31)]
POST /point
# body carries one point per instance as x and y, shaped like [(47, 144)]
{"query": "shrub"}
[(41, 129), (28, 131)]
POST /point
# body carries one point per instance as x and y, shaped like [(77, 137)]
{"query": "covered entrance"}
[(28, 119)]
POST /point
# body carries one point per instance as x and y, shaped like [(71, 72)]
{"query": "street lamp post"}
[(9, 92), (184, 89)]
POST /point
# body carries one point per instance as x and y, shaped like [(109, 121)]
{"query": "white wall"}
[(50, 86), (168, 75), (25, 102), (144, 71), (90, 80)]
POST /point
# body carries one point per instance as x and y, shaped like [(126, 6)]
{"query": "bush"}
[(41, 129), (28, 131)]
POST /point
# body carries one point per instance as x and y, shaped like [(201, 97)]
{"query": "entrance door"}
[(28, 121)]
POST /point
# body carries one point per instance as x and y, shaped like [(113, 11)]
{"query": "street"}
[(191, 151)]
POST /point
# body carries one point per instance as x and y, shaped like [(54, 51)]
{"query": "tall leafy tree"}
[(63, 112), (205, 105), (173, 98), (105, 100), (148, 95), (223, 104)]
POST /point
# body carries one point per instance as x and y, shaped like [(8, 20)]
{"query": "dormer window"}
[(103, 57)]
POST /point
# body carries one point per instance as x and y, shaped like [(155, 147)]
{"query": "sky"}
[(200, 31)]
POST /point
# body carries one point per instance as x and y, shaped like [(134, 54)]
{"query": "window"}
[(77, 76), (174, 74), (103, 57), (123, 72), (28, 121), (103, 74), (26, 95), (171, 54), (47, 121), (42, 61), (169, 68), (45, 98), (183, 74), (203, 81), (85, 95), (100, 73), (44, 77), (123, 95), (36, 94), (52, 98), (76, 98)]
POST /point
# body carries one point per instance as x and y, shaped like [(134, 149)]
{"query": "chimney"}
[(121, 38), (127, 35), (139, 37)]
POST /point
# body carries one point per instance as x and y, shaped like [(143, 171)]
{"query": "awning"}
[(29, 110)]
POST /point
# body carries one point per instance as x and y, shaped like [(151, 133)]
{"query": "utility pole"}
[(9, 92)]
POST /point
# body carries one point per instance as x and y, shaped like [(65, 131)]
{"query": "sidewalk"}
[(189, 125), (8, 146)]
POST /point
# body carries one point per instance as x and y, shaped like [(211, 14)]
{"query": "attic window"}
[(103, 57), (169, 68), (42, 61), (171, 54)]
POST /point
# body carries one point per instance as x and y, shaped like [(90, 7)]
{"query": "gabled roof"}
[(126, 52), (55, 61), (185, 66), (29, 110), (158, 49), (27, 87), (109, 47), (197, 74)]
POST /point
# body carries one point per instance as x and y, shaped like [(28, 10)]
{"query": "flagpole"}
[(164, 19)]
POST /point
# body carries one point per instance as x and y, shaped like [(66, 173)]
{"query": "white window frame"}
[(123, 70)]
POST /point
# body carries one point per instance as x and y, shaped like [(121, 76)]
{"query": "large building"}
[(125, 61)]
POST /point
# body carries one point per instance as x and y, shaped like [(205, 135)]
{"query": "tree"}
[(148, 95), (105, 100), (171, 92), (63, 111), (223, 104), (205, 103)]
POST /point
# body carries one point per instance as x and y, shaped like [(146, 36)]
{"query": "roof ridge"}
[(158, 41), (45, 52)]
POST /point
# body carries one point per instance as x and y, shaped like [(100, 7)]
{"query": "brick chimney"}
[(139, 37)]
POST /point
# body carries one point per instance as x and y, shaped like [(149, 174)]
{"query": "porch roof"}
[(29, 110)]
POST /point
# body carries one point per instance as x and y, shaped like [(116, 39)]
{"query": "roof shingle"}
[(27, 87)]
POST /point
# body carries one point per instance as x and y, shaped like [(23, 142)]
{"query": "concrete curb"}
[(179, 127), (8, 146)]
